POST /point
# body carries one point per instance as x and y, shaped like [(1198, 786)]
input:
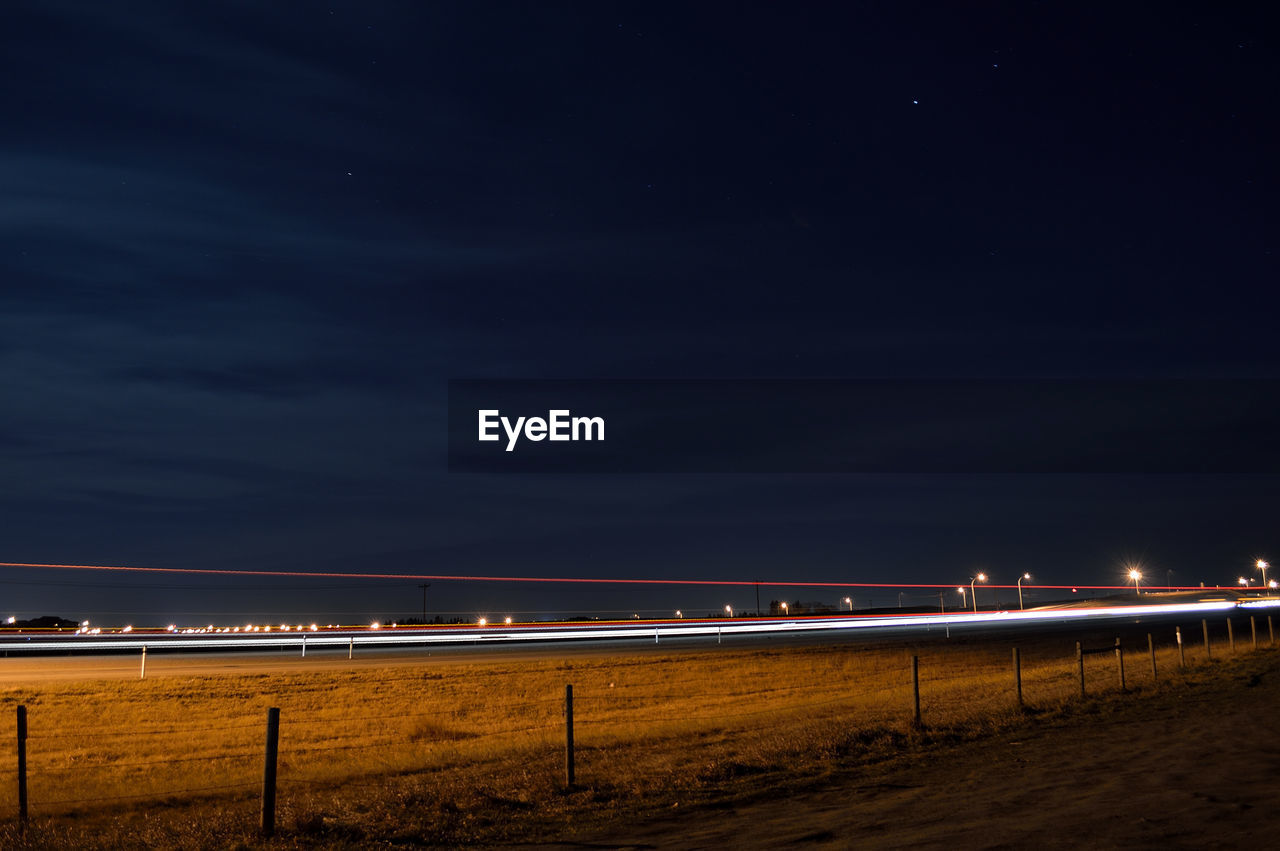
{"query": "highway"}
[(67, 655)]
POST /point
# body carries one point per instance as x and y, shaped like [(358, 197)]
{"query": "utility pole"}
[(424, 586), (757, 598)]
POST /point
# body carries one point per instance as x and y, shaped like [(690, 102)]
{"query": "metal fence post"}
[(1080, 664), (1017, 675), (1182, 654), (568, 736), (143, 675), (269, 772), (22, 767), (915, 689), (1120, 662)]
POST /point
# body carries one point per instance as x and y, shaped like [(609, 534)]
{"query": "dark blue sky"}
[(245, 245)]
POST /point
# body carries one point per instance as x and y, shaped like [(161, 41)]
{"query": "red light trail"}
[(316, 574)]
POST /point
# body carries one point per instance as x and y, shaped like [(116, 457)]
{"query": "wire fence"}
[(628, 715)]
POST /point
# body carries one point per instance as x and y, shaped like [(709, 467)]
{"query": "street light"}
[(973, 594), (961, 590), (1262, 565), (1245, 582), (1135, 576), (784, 608), (849, 600), (1020, 578), (728, 610), (679, 613), (900, 593)]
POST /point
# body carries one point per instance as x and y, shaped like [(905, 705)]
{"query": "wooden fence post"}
[(1208, 654), (1231, 637), (568, 736), (1017, 675), (1151, 647), (915, 688), (1271, 631), (1080, 664), (1120, 662), (1253, 630), (22, 767), (269, 772), (1182, 654), (351, 647)]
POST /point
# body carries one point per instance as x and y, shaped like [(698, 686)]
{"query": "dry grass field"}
[(450, 753)]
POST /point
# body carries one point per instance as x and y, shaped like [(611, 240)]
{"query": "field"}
[(427, 751)]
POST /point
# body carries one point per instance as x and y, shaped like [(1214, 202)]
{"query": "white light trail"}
[(377, 635)]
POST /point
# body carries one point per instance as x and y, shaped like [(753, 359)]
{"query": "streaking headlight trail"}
[(656, 631)]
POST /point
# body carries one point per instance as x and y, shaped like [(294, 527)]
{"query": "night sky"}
[(244, 246)]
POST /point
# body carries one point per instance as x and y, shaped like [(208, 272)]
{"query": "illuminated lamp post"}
[(1020, 578), (1262, 565), (1135, 576), (849, 600), (973, 593)]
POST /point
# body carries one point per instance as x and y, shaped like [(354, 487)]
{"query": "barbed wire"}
[(168, 793), (174, 760), (102, 732)]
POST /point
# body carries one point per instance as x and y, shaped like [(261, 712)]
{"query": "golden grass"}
[(468, 747)]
